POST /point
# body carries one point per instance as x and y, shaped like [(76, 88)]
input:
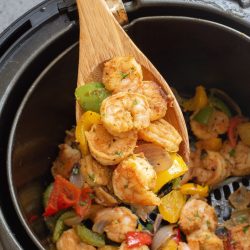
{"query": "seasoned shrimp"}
[(124, 112), (117, 222), (162, 133), (228, 152), (94, 173), (219, 122), (201, 131), (66, 160), (205, 241), (242, 160), (124, 246), (122, 74), (70, 241), (209, 169), (157, 99), (133, 182), (107, 149), (104, 198), (197, 215)]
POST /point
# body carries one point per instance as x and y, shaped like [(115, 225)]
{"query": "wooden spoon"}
[(102, 38)]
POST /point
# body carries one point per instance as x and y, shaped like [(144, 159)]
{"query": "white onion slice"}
[(161, 236), (157, 156)]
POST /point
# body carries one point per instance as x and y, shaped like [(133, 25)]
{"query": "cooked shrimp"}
[(117, 222), (205, 241), (240, 235), (156, 98), (70, 241), (104, 198), (122, 74), (162, 133), (124, 112), (218, 122), (228, 152), (209, 169), (94, 173), (133, 181), (201, 131), (124, 246), (107, 149), (242, 160), (66, 160), (215, 163), (197, 215)]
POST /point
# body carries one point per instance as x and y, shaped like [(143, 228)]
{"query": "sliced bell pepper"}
[(84, 203), (177, 169), (171, 244), (199, 101), (137, 239), (60, 226), (192, 189), (91, 95), (65, 195), (89, 237), (171, 205), (219, 104), (84, 124), (232, 129), (213, 144), (47, 194), (204, 115)]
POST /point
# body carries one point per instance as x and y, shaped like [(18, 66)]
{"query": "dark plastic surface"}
[(186, 51)]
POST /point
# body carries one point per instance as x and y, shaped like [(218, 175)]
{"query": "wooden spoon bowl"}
[(102, 38)]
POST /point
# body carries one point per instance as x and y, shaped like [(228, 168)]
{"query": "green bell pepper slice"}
[(60, 226), (89, 237), (91, 95), (47, 194), (219, 104), (204, 115)]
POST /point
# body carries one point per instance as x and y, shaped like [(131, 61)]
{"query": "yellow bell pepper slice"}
[(84, 124), (171, 206), (199, 101), (213, 144), (177, 169), (192, 189), (170, 245)]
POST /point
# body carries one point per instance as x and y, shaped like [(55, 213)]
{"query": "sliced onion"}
[(227, 99), (76, 179), (157, 222), (73, 221), (238, 217), (161, 236), (100, 225), (157, 156)]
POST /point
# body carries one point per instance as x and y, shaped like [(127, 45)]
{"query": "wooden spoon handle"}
[(99, 31)]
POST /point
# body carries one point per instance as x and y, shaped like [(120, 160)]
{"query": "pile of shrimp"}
[(218, 151), (123, 181), (120, 177)]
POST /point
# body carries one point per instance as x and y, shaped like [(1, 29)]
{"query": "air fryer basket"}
[(187, 51)]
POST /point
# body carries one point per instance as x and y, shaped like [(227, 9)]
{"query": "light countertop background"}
[(10, 10)]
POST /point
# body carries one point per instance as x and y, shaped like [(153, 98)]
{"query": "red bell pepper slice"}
[(136, 239), (177, 236), (232, 133), (64, 195), (84, 203)]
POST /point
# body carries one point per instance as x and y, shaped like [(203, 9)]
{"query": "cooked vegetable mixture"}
[(119, 182)]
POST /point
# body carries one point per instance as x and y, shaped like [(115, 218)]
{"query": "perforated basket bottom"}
[(219, 196)]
